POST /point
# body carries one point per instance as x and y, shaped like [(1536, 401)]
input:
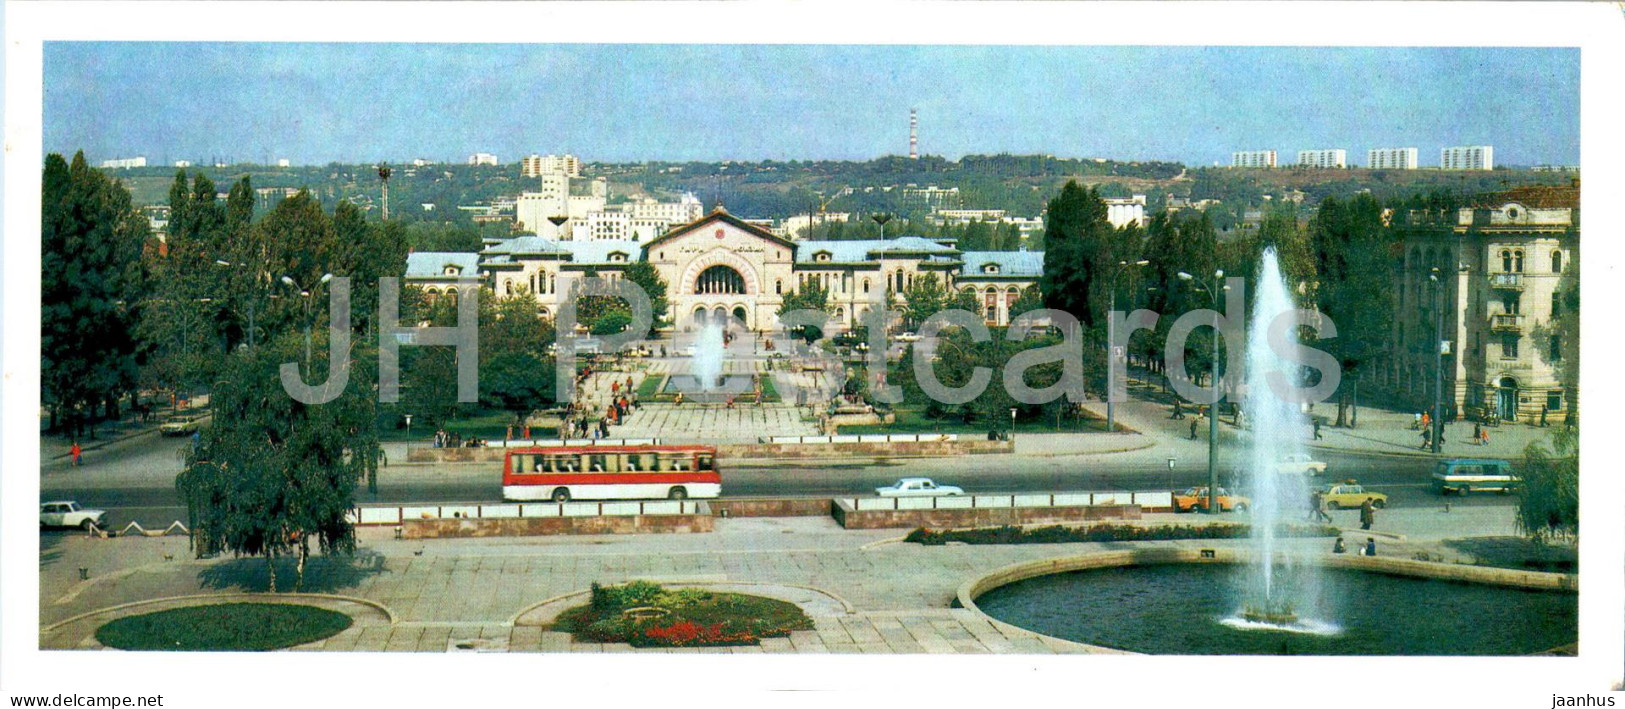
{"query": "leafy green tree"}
[(272, 474), (1354, 261), (1549, 501), (925, 297), (92, 287), (811, 296), (643, 275)]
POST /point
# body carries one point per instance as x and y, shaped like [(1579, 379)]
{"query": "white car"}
[(917, 487), (64, 513), (1300, 464)]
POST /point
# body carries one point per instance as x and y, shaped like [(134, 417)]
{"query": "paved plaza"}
[(866, 591)]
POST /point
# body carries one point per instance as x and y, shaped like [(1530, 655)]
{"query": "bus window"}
[(704, 462), (672, 461), (635, 463), (563, 463), (597, 461)]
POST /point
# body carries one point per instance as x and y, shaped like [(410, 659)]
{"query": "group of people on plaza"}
[(1370, 548), (453, 439), (577, 420)]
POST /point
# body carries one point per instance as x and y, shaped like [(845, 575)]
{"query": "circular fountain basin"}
[(1159, 605), (689, 385)]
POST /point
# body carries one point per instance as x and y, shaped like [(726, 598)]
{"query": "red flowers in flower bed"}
[(687, 633)]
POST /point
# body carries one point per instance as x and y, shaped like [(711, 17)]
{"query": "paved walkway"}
[(865, 594), (1380, 431)]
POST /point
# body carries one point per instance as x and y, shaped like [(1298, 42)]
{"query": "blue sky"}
[(315, 103)]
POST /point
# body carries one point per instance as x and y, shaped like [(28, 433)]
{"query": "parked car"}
[(1195, 498), (66, 513), (1300, 464), (917, 487), (907, 337), (1349, 493), (179, 425), (1464, 475)]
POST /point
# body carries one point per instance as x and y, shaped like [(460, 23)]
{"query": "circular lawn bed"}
[(224, 627)]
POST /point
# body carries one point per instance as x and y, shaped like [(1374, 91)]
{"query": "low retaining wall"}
[(396, 514), (771, 507), (926, 448), (850, 517), (541, 526)]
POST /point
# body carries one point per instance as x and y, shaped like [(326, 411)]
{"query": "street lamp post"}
[(881, 219), (306, 292), (1213, 409), (1111, 337), (1012, 424), (1438, 358)]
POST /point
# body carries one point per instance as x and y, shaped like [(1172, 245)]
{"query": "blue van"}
[(1462, 476)]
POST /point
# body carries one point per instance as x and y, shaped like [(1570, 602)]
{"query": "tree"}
[(812, 296), (925, 297), (272, 474), (643, 275), (1549, 500), (1354, 261), (92, 287)]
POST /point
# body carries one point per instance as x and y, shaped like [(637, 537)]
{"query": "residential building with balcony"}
[(1500, 263), (1467, 157), (1391, 158), (1331, 157), (1253, 158)]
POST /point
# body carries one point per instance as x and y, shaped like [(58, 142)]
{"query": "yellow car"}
[(1349, 494), (1195, 499)]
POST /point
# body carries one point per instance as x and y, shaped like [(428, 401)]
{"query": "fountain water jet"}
[(706, 365), (1279, 591)]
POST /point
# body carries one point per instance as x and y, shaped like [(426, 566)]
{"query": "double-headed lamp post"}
[(1438, 358), (1213, 410), (306, 292), (1111, 339)]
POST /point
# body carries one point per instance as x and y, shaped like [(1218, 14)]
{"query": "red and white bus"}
[(566, 473)]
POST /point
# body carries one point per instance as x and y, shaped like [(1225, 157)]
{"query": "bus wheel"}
[(561, 494), (677, 493), (1463, 490)]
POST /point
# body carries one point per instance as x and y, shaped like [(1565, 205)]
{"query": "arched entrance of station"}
[(739, 317), (701, 315)]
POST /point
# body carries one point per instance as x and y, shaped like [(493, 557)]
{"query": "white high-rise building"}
[(1253, 158), (125, 162), (482, 159), (1331, 157), (1391, 158), (1467, 157), (535, 165)]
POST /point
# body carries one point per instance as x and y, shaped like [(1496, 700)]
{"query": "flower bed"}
[(646, 615), (1057, 534)]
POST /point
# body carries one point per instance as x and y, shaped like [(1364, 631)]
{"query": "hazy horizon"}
[(362, 103)]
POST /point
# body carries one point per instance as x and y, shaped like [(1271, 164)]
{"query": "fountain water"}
[(1280, 591), (706, 365)]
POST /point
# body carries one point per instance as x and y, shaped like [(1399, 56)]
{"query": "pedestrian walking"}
[(1317, 508), (1478, 430), (75, 451), (1543, 409), (1416, 421), (1179, 410), (1368, 514), (1427, 421), (1193, 429), (1484, 437), (1317, 429), (1427, 439)]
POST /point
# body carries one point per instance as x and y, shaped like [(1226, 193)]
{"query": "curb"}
[(390, 615)]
